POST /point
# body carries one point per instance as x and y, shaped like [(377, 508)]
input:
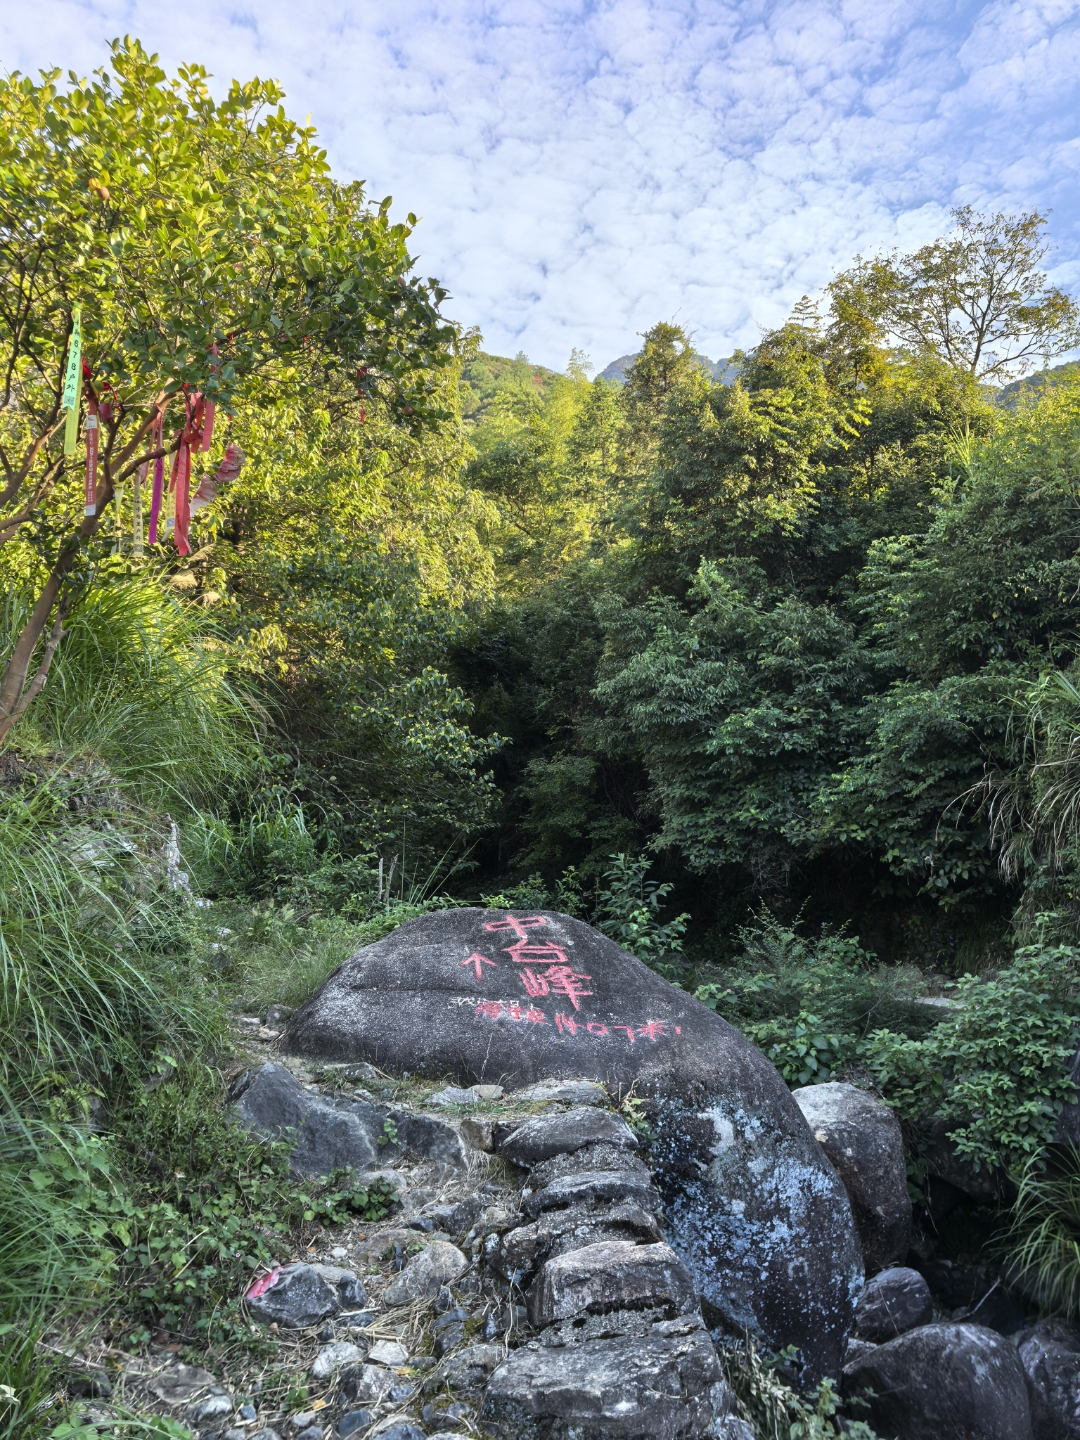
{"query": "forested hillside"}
[(317, 616)]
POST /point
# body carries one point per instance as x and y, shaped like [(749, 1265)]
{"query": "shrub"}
[(628, 911), (998, 1066), (783, 974)]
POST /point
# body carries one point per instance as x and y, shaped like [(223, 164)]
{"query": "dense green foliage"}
[(774, 681)]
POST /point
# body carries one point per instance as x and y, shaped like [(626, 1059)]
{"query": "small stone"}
[(350, 1289), (470, 1368), (234, 1432), (87, 1387), (247, 1411), (449, 1339), (276, 1016), (571, 1092), (655, 1385), (266, 1433), (453, 1095), (299, 1421), (300, 1297), (365, 1384), (443, 1416), (313, 1432), (477, 1131), (593, 1185), (731, 1428), (402, 1432), (488, 1093), (892, 1303), (556, 1231), (180, 1384), (353, 1421), (388, 1352), (212, 1408), (339, 1253), (332, 1358), (440, 1263)]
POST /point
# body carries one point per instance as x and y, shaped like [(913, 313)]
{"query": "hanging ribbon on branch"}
[(73, 384), (226, 472), (137, 511), (191, 437), (158, 486), (92, 431)]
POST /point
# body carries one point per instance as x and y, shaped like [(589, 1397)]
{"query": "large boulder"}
[(1050, 1355), (486, 996), (862, 1138), (959, 1173), (960, 1381)]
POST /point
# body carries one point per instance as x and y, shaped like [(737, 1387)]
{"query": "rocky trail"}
[(599, 1201)]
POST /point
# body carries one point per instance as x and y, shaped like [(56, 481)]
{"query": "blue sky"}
[(584, 168)]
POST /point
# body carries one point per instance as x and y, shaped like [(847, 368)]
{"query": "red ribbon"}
[(159, 480), (182, 482)]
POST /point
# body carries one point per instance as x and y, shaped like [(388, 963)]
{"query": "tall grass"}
[(99, 969), (141, 683), (94, 960), (1042, 1249)]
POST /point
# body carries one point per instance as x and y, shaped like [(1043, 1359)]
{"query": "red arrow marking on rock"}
[(477, 961)]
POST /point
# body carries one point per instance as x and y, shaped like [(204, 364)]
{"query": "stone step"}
[(593, 1185), (546, 1135), (665, 1386), (600, 1156), (610, 1275), (522, 1250)]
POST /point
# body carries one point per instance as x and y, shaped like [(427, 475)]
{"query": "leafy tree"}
[(737, 462), (976, 297), (342, 562), (181, 226)]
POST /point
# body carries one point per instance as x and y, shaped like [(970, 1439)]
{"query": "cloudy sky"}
[(584, 168)]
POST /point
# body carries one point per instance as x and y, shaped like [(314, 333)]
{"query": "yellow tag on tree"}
[(73, 384)]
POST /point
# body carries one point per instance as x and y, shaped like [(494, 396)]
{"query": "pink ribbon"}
[(159, 481), (266, 1283), (227, 471)]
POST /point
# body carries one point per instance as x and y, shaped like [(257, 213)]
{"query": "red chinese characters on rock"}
[(555, 980), (557, 977), (492, 1009), (568, 1025), (476, 961)]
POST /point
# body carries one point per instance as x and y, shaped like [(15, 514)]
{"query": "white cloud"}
[(586, 167)]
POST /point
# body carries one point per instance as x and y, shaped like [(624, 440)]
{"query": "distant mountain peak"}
[(722, 370)]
